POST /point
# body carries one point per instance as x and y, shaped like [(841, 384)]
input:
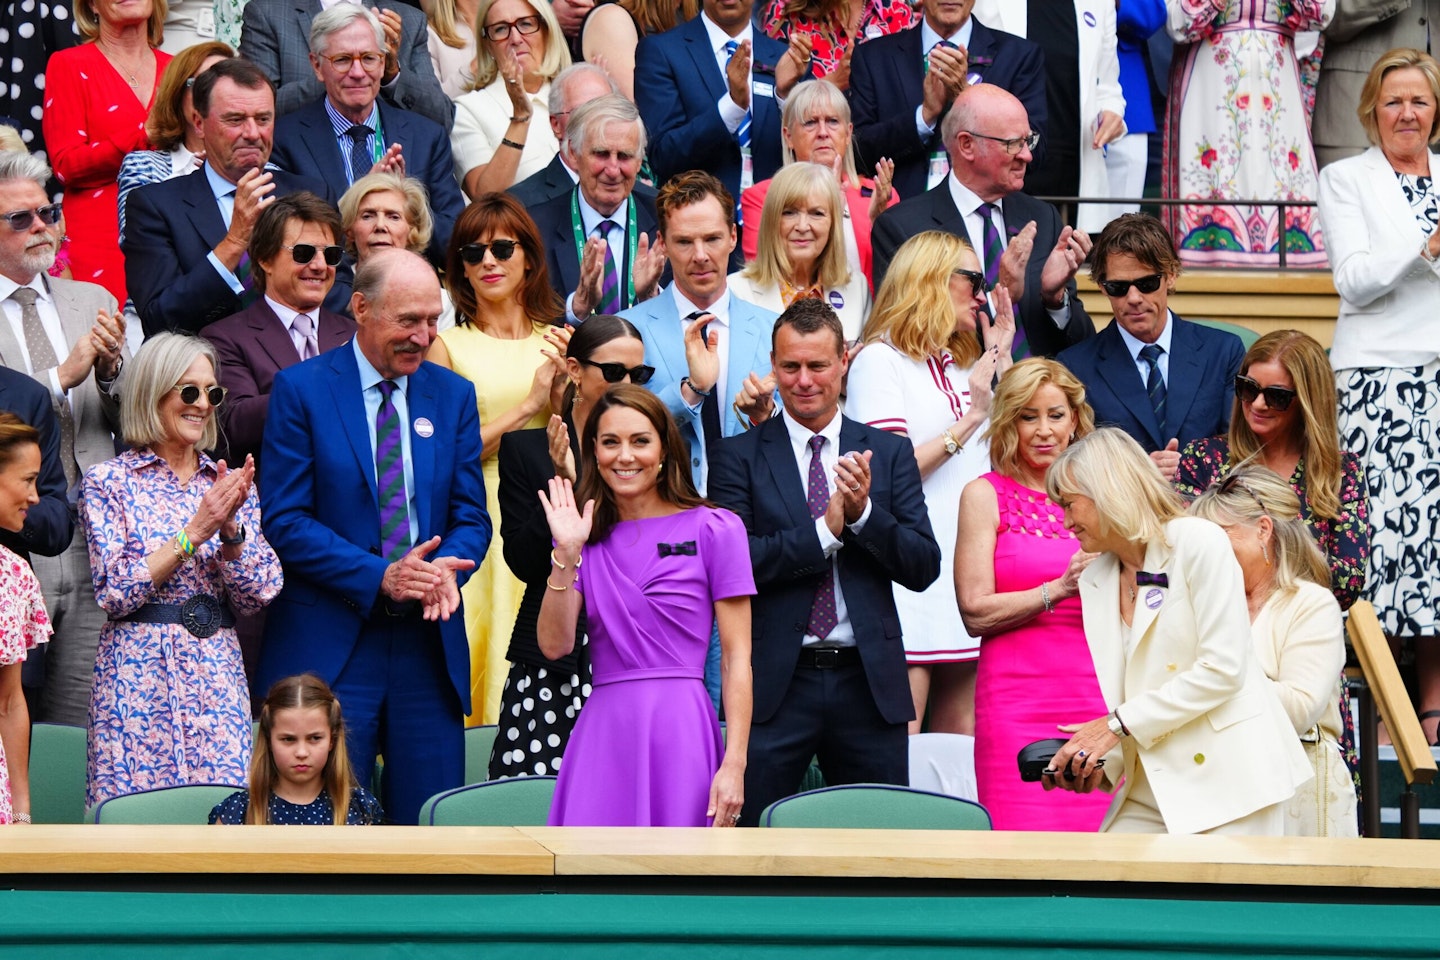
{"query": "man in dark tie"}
[(836, 514)]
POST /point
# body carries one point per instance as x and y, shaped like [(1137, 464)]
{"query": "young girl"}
[(300, 772)]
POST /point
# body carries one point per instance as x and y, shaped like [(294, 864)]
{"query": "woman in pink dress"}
[(1016, 576)]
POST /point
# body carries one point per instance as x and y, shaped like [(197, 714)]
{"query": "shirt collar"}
[(590, 217), (1135, 346), (800, 435), (967, 201), (221, 187), (146, 457), (961, 37), (369, 376), (720, 309), (37, 283), (343, 124), (718, 37), (287, 315)]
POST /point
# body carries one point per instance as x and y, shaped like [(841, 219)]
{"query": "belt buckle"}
[(827, 658), (201, 615)]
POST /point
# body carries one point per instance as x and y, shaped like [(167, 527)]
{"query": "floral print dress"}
[(24, 625), (1236, 128), (167, 708), (831, 40)]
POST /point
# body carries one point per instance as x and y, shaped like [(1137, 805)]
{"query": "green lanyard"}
[(632, 242), (378, 141)]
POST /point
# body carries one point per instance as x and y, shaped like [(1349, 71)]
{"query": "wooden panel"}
[(1391, 697)]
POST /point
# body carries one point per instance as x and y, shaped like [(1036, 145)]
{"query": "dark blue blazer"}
[(170, 229), (557, 231), (553, 181), (305, 144), (886, 85), (322, 517), (756, 476), (48, 524), (677, 84), (1199, 394)]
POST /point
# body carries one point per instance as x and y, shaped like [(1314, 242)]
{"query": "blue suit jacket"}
[(305, 143), (756, 476), (886, 85), (677, 85), (557, 232), (1199, 394), (48, 524), (659, 324), (322, 517), (170, 229)]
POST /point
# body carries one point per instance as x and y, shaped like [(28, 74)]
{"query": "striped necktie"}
[(994, 250), (1155, 384), (390, 478), (817, 496), (742, 135), (610, 282), (360, 157)]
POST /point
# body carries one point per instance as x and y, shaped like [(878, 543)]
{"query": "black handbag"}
[(1034, 758)]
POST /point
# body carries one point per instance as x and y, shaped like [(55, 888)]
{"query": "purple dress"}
[(647, 744)]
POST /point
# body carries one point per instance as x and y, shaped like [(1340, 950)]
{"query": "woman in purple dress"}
[(655, 565)]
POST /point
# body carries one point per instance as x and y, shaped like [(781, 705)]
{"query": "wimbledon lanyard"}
[(378, 140), (632, 242)]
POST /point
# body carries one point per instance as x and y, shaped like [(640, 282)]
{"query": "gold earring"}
[(1265, 553)]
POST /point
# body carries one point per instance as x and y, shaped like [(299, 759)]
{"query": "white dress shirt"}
[(730, 111), (590, 219), (49, 319), (1135, 345), (928, 39), (287, 317)]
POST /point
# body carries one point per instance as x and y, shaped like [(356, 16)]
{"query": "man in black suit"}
[(988, 135), (186, 240), (836, 514), (902, 85), (602, 217)]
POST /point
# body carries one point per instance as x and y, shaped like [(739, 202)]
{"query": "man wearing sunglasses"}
[(351, 130), (1163, 380), (295, 247)]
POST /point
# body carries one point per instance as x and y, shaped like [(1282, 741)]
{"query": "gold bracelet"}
[(579, 558), (552, 586)]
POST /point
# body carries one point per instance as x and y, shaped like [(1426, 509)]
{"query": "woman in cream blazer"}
[(1194, 727)]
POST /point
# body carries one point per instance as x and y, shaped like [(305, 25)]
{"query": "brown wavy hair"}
[(14, 434), (167, 124), (488, 215), (303, 692)]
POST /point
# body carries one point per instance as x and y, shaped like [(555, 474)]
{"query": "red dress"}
[(92, 119)]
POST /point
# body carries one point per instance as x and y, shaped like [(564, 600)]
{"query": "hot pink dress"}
[(1034, 676)]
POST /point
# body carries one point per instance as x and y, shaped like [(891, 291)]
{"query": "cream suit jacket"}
[(1214, 740)]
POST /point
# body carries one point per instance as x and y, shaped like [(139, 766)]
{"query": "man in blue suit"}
[(375, 503), (902, 85), (186, 240), (350, 131), (836, 514), (1163, 380)]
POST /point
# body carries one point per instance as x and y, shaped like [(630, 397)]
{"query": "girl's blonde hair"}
[(1252, 491), (304, 692), (913, 311)]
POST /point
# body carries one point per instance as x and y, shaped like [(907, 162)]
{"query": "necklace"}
[(129, 73)]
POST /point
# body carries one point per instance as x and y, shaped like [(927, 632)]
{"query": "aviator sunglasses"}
[(1276, 398), (20, 220), (1119, 288), (473, 253), (615, 372), (189, 393), (305, 252)]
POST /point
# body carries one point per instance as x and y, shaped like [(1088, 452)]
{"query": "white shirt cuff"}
[(921, 127), (731, 113), (1061, 314), (828, 541), (859, 525), (225, 274)]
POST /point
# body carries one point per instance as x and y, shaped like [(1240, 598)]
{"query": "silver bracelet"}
[(1045, 597), (22, 817)]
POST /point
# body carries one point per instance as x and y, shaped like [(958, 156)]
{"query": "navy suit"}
[(678, 83), (405, 682), (170, 229), (555, 181), (557, 232), (935, 210), (48, 524), (1199, 392), (887, 84), (305, 143), (858, 728)]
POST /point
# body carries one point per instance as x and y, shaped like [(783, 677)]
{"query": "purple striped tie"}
[(610, 284), (390, 479), (817, 496), (994, 250)]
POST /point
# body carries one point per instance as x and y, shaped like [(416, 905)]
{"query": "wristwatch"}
[(1116, 727), (234, 541), (952, 446)]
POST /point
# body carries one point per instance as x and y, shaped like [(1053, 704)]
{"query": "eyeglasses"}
[(499, 31), (1012, 145), (1276, 398), (811, 124), (978, 284), (20, 220), (615, 372), (1232, 481), (305, 252), (371, 61), (473, 253), (1119, 288), (189, 393)]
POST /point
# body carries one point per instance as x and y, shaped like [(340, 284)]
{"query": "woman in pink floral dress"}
[(175, 552), (1236, 129)]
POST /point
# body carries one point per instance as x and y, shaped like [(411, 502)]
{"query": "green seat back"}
[(875, 806), (187, 804), (516, 802), (479, 741), (1246, 335), (57, 773)]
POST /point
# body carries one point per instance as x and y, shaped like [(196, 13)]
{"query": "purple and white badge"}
[(974, 78), (1154, 597), (1089, 19), (423, 427), (837, 302)]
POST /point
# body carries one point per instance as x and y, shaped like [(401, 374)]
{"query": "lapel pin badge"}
[(423, 427)]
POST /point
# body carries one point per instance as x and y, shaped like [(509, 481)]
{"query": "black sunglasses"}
[(1119, 288), (473, 253), (1232, 481), (1276, 398), (20, 220), (189, 393), (615, 372), (977, 280), (305, 252)]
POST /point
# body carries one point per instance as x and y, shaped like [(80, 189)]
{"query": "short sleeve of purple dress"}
[(647, 744)]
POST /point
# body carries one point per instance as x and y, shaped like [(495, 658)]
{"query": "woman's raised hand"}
[(569, 527)]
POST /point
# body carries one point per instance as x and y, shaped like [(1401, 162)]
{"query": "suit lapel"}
[(333, 331), (707, 67), (350, 407), (271, 335), (303, 15), (946, 215), (1148, 604), (1186, 371), (421, 399), (202, 211), (909, 69), (73, 325), (779, 459), (663, 339), (562, 242), (1119, 372), (744, 340), (1100, 608), (322, 144)]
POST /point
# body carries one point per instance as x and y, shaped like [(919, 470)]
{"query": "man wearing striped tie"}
[(374, 501)]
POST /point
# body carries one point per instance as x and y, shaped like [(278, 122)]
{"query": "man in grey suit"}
[(69, 336), (276, 36)]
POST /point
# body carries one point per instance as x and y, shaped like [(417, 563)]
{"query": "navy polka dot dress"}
[(364, 810)]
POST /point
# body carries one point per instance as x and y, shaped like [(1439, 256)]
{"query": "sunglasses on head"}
[(1119, 288), (1233, 482), (189, 393), (976, 278), (615, 372), (473, 253), (305, 252), (1276, 398), (20, 220)]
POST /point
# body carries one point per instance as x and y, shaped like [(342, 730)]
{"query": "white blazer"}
[(1388, 293), (851, 302), (1203, 718), (1099, 85)]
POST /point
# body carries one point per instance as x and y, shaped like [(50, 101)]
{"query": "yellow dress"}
[(502, 371)]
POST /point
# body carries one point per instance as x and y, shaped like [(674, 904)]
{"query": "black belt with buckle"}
[(202, 615), (829, 658)]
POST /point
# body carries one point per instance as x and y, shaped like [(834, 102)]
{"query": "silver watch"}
[(1116, 727)]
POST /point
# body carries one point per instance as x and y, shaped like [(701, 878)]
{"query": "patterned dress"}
[(24, 624), (1236, 128), (830, 39), (320, 812), (167, 708)]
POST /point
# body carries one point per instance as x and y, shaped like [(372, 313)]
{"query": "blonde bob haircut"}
[(1131, 498), (805, 99), (156, 369), (1016, 390), (1399, 58), (1252, 491), (913, 311), (557, 54), (87, 21), (417, 208), (792, 186)]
